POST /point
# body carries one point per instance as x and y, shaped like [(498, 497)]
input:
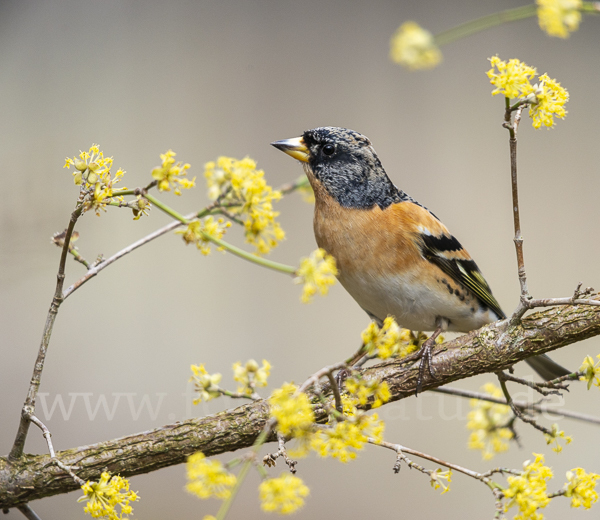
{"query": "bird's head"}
[(344, 163)]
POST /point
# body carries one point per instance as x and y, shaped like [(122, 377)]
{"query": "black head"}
[(346, 164)]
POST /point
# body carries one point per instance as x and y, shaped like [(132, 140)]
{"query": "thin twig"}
[(29, 513), (519, 404), (269, 459), (518, 239), (545, 388), (48, 436), (294, 185), (318, 375), (34, 385), (131, 247), (502, 378), (482, 477), (238, 395), (336, 392)]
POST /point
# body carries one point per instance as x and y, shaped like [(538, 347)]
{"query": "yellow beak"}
[(294, 147)]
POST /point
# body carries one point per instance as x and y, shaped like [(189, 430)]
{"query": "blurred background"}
[(212, 78)]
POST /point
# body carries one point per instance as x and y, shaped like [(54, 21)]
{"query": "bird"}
[(393, 255)]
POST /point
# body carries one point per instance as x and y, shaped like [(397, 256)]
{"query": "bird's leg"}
[(425, 352)]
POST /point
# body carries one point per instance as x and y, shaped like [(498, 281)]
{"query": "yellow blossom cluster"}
[(546, 98), (591, 371), (92, 173), (392, 341), (283, 495), (199, 232), (527, 491), (239, 186), (206, 385), (364, 389), (550, 99), (580, 488), (555, 436), (251, 375), (292, 410), (208, 478), (437, 478), (414, 47), (338, 439), (384, 341), (171, 175), (104, 496), (488, 422), (559, 17), (351, 434), (316, 273), (512, 78)]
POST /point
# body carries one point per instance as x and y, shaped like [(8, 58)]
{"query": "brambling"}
[(394, 256)]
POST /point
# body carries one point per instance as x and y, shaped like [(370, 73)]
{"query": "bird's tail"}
[(546, 368)]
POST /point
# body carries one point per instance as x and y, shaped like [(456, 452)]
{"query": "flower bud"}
[(80, 165), (251, 365)]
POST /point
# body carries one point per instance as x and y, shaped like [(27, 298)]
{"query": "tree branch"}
[(490, 349)]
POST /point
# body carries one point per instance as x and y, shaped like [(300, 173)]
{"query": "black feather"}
[(464, 272)]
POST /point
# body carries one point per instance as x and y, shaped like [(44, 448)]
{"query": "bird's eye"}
[(328, 149)]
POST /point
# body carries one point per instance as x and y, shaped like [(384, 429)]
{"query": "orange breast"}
[(374, 241)]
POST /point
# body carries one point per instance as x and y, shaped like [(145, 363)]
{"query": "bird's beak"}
[(294, 147)]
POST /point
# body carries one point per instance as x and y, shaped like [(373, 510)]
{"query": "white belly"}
[(415, 306)]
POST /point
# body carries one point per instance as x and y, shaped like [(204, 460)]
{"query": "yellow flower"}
[(171, 174), (510, 79), (284, 494), (438, 476), (580, 488), (208, 477), (92, 173), (414, 47), (550, 99), (141, 207), (103, 496), (559, 17), (527, 491), (251, 375), (292, 410), (244, 190), (385, 342), (316, 273), (488, 422), (337, 441), (207, 385), (198, 232), (363, 389), (554, 436), (591, 372)]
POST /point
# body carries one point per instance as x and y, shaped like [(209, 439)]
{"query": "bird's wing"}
[(442, 249), (447, 253)]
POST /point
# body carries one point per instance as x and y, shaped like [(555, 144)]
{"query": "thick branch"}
[(490, 349)]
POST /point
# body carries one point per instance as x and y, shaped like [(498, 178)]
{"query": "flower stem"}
[(275, 266), (260, 440), (485, 22)]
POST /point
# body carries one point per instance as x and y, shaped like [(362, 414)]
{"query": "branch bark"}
[(490, 349)]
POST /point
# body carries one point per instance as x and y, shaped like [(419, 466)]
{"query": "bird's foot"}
[(425, 354)]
